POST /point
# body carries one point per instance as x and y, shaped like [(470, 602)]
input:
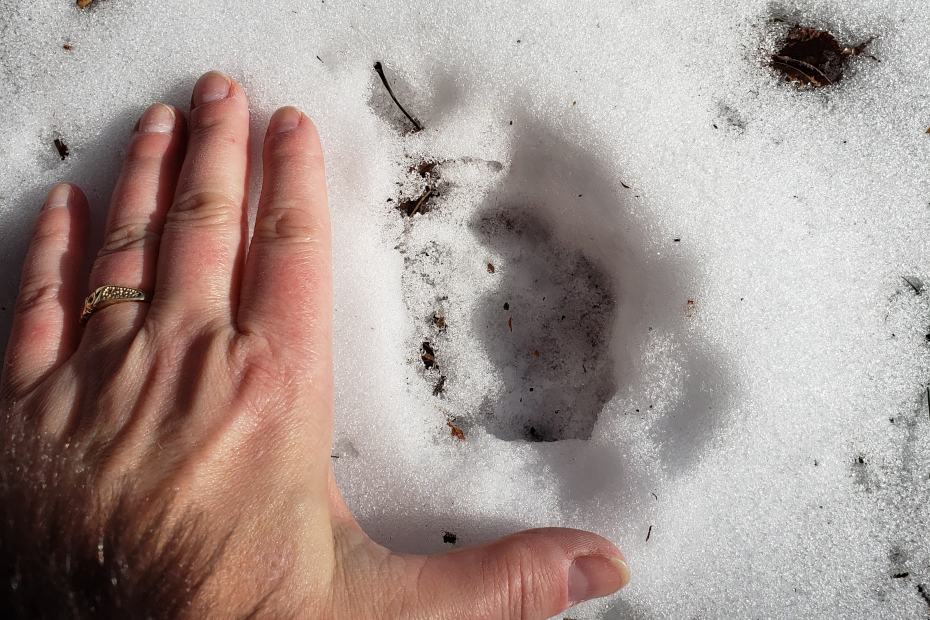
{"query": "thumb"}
[(530, 575)]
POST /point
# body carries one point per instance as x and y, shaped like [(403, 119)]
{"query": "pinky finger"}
[(45, 320)]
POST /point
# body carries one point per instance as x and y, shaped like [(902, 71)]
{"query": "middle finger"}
[(203, 242)]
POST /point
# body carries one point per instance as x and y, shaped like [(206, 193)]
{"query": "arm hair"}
[(65, 556)]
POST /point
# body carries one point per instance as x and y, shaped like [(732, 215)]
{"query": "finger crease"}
[(32, 296), (129, 237)]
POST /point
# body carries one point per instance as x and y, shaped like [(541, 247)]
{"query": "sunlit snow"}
[(741, 371)]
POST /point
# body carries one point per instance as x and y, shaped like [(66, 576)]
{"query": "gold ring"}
[(109, 295)]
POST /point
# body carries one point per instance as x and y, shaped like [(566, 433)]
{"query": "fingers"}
[(531, 575), (143, 195), (287, 284), (202, 244), (45, 320)]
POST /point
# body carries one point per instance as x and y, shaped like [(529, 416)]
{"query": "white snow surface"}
[(756, 401)]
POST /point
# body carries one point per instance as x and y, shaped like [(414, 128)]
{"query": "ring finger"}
[(143, 195)]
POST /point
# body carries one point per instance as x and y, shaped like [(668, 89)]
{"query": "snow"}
[(752, 336)]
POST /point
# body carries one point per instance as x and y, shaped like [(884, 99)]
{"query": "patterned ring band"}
[(109, 295)]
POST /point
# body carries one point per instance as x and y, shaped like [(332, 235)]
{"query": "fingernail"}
[(210, 87), (284, 120), (593, 576), (158, 118), (58, 197)]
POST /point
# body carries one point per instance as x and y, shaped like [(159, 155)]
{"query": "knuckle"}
[(261, 370), (205, 206), (216, 129), (519, 581), (35, 295), (522, 588), (146, 151), (129, 235), (53, 225), (282, 221)]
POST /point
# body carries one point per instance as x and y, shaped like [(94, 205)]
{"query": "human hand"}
[(174, 457)]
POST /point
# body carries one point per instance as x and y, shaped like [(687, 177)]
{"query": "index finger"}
[(287, 287)]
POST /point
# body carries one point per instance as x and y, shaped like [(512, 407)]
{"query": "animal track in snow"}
[(512, 324), (546, 327)]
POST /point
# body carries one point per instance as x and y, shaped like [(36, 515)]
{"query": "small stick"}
[(649, 533), (913, 286), (856, 51), (924, 593), (391, 93), (928, 401), (62, 148), (422, 200)]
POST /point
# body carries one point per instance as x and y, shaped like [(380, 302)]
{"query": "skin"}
[(219, 392)]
